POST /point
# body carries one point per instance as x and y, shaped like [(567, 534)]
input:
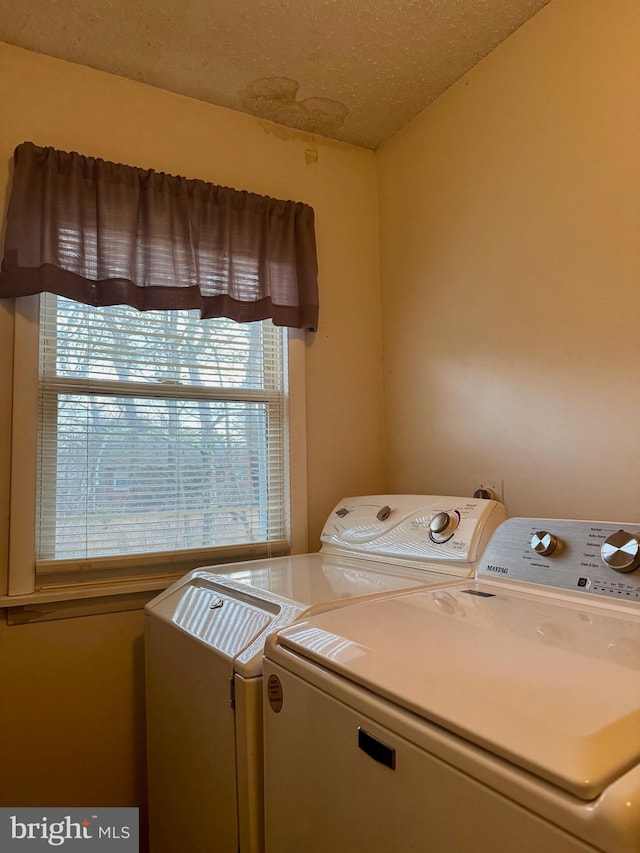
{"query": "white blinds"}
[(158, 433)]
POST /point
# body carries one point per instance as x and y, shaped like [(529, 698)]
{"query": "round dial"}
[(442, 526), (621, 551), (383, 513), (544, 543)]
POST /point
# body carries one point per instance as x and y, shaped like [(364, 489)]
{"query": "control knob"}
[(442, 526), (621, 551), (544, 543)]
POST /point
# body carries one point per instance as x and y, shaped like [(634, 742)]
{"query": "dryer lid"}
[(552, 687), (316, 579), (203, 609), (226, 617), (234, 613)]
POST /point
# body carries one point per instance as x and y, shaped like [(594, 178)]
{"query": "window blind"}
[(159, 434)]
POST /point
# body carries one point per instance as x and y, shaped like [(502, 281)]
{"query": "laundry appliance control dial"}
[(594, 557), (621, 551), (544, 543), (443, 525)]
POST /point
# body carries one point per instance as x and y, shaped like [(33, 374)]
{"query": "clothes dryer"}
[(205, 637)]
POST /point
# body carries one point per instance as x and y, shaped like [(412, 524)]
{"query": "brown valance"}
[(107, 234)]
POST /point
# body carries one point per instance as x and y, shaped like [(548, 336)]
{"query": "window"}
[(150, 443)]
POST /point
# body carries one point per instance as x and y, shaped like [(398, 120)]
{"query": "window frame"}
[(21, 579)]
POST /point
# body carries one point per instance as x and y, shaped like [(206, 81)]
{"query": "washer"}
[(501, 714), (205, 637)]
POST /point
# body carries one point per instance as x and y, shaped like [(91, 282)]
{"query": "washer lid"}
[(552, 687)]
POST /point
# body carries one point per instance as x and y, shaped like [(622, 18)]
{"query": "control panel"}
[(591, 556), (413, 529)]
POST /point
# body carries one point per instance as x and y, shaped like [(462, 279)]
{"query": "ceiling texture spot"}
[(357, 71), (275, 98)]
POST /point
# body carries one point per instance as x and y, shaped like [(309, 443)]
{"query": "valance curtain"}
[(107, 234)]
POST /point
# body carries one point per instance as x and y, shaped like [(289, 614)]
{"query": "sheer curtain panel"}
[(103, 233)]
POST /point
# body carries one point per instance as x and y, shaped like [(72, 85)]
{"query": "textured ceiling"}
[(356, 70)]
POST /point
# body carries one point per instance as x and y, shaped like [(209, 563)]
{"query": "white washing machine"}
[(205, 637), (501, 714)]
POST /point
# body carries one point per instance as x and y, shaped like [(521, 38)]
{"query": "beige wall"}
[(70, 715), (72, 712), (510, 269)]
